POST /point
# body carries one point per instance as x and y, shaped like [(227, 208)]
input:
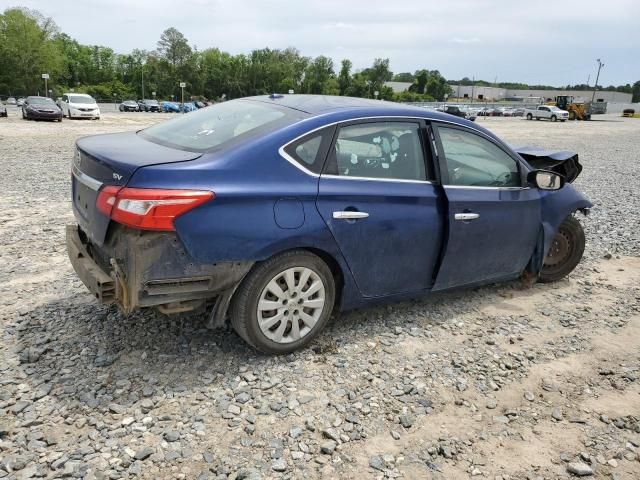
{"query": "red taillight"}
[(148, 208), (107, 198)]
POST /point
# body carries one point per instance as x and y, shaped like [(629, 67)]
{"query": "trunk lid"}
[(111, 159)]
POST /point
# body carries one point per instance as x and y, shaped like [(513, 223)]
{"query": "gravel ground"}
[(497, 382)]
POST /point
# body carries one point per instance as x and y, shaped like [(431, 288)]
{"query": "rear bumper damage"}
[(137, 269)]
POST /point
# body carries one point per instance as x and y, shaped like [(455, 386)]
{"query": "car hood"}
[(563, 162)]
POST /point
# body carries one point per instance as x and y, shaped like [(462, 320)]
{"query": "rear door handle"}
[(349, 215), (466, 216)]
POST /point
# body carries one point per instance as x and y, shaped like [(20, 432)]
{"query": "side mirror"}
[(546, 180)]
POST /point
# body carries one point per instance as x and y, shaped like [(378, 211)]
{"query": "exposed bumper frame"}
[(137, 269)]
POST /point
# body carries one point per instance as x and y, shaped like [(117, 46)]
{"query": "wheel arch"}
[(556, 207), (221, 308)]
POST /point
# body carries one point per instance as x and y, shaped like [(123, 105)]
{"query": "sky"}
[(553, 42)]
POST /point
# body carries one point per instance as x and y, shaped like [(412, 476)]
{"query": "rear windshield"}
[(218, 124)]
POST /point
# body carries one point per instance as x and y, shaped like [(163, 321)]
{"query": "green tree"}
[(318, 74), (379, 73), (27, 50), (174, 47), (635, 91), (404, 77), (344, 78), (431, 83)]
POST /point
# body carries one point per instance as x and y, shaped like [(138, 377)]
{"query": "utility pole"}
[(595, 87), (142, 81), (588, 78), (473, 87)]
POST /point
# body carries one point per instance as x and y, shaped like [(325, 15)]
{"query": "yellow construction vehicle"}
[(577, 111)]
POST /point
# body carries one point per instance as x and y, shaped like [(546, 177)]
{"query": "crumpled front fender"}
[(555, 207)]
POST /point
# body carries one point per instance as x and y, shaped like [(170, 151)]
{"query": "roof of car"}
[(315, 104), (334, 108)]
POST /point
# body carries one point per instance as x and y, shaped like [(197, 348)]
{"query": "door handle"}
[(349, 215), (466, 216)]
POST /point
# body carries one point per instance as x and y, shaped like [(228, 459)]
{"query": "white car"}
[(547, 112), (79, 105)]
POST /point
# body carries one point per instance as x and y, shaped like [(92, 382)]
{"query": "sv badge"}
[(116, 176)]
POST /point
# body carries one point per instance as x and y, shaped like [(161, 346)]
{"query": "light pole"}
[(46, 77), (595, 87), (142, 78), (182, 85)]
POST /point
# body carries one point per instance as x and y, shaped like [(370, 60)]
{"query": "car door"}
[(493, 218), (376, 197)]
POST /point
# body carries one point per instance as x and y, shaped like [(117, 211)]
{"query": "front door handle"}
[(349, 215), (466, 216)]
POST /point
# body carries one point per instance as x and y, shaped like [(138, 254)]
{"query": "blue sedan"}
[(276, 211)]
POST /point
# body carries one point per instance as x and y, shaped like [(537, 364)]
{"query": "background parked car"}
[(128, 106), (79, 105), (170, 107), (3, 111), (518, 112), (20, 102), (189, 107), (11, 101), (149, 106), (41, 108)]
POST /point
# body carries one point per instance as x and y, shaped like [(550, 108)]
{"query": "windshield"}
[(80, 99), (554, 109), (40, 100), (213, 126), (151, 102)]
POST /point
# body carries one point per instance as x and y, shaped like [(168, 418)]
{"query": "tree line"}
[(31, 44)]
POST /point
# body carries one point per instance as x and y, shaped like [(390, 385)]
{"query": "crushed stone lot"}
[(497, 382)]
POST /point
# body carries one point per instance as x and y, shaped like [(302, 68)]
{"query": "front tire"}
[(553, 118), (565, 252), (284, 302)]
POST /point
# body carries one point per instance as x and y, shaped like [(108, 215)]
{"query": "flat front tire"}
[(565, 252), (284, 302)]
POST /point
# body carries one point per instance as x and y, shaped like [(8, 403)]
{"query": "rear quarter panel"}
[(251, 183)]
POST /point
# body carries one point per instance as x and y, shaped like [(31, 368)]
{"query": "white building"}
[(493, 94), (496, 94)]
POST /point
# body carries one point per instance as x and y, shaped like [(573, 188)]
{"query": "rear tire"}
[(529, 116), (565, 252), (284, 282)]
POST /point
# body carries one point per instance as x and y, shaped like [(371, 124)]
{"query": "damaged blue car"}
[(275, 212)]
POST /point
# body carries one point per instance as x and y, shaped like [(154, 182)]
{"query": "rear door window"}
[(379, 150)]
